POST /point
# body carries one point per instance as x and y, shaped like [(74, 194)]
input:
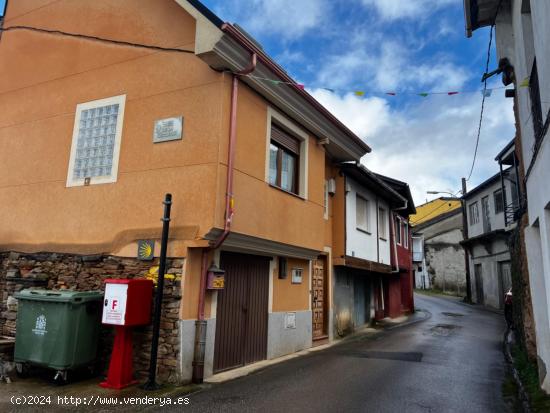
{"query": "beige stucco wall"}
[(261, 210), (42, 79)]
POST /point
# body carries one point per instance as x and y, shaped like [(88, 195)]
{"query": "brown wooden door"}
[(241, 316), (318, 304)]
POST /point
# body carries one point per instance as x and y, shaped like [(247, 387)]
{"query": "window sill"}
[(383, 239), (364, 231), (287, 192)]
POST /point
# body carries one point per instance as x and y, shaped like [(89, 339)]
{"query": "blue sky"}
[(2, 4), (390, 45)]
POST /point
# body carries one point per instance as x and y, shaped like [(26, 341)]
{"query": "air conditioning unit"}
[(331, 186)]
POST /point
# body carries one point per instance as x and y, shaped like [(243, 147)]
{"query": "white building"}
[(522, 37), (370, 279), (487, 243), (438, 257)]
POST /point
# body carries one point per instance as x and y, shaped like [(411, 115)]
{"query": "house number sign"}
[(169, 129)]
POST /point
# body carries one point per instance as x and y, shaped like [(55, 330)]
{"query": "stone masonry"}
[(83, 273)]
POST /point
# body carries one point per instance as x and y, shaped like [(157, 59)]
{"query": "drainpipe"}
[(466, 247), (200, 324)]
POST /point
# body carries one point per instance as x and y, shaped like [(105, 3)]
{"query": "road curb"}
[(523, 396)]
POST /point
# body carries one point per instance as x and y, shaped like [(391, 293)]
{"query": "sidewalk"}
[(365, 332), (87, 394)]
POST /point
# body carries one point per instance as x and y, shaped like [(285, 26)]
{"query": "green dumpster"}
[(57, 329)]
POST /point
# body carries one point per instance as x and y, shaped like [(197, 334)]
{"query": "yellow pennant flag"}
[(525, 82), (359, 93)]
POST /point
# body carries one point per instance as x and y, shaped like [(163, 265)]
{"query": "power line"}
[(435, 209), (95, 38), (484, 90)]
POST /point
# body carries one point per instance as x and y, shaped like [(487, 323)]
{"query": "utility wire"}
[(484, 90), (95, 38), (423, 218)]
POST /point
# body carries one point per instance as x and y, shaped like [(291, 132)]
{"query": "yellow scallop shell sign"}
[(146, 250)]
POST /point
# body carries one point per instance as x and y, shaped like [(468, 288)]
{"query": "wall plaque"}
[(169, 129), (146, 249), (290, 320)]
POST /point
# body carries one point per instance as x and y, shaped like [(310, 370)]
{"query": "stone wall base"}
[(83, 273)]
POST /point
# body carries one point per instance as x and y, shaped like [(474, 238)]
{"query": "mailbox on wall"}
[(127, 302)]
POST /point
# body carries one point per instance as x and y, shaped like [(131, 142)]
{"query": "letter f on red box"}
[(113, 306)]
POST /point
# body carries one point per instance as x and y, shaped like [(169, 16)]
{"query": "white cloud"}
[(399, 9), (289, 19), (428, 144), (365, 117), (387, 66)]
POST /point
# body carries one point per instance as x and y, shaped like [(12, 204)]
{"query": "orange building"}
[(106, 106)]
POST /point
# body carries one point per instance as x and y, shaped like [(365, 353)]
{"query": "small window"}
[(284, 160), (405, 235), (398, 230), (382, 224), (96, 142), (499, 201), (474, 213), (362, 213)]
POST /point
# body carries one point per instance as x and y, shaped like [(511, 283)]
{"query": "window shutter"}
[(285, 139)]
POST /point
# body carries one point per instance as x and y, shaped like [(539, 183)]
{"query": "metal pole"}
[(466, 254), (151, 383)]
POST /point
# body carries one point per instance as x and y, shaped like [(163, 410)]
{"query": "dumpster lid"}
[(63, 296)]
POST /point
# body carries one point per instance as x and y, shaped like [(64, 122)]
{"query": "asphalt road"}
[(451, 362)]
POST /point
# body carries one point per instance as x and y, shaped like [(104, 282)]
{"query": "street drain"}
[(443, 329), (453, 314), (387, 355)]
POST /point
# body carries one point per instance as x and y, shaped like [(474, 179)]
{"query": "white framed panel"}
[(95, 147)]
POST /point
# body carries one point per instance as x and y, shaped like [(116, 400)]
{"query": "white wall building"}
[(442, 263), (367, 224), (522, 36), (487, 242)]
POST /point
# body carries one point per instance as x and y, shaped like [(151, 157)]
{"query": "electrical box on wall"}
[(331, 186)]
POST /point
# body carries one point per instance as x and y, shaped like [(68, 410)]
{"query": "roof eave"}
[(223, 47), (370, 180)]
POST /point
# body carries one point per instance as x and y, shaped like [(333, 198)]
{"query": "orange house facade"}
[(105, 107)]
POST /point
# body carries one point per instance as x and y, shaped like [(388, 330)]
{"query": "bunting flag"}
[(525, 82), (362, 93)]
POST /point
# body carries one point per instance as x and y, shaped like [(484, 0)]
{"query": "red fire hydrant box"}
[(127, 302)]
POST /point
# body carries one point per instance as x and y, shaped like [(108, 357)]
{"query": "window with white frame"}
[(361, 213), (95, 146), (382, 221), (397, 230), (287, 155), (405, 235)]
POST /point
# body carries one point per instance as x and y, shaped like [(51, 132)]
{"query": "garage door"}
[(241, 315)]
